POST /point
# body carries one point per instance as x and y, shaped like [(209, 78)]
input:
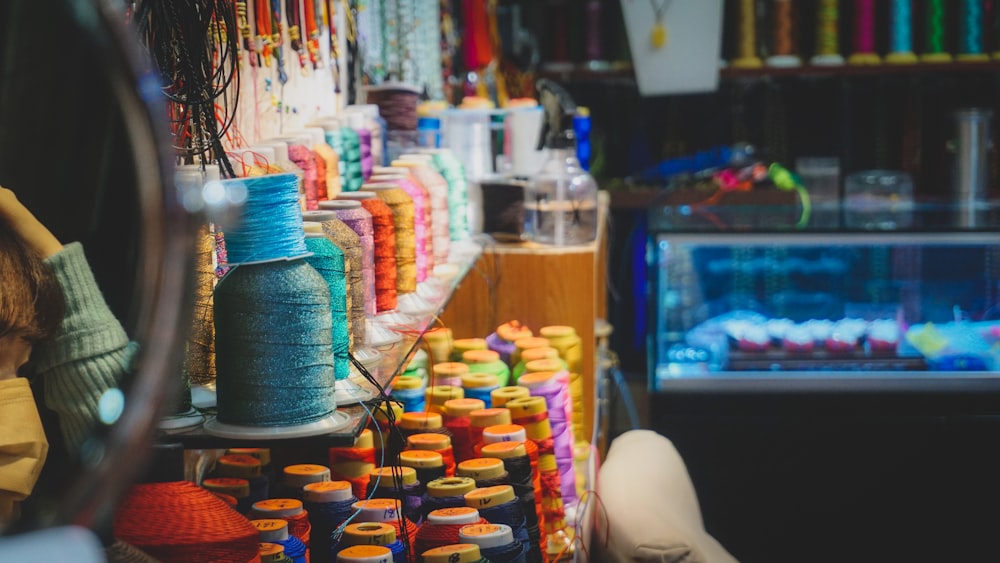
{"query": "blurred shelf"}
[(813, 71), (606, 72)]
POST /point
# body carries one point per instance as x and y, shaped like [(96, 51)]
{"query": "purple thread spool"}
[(352, 214)]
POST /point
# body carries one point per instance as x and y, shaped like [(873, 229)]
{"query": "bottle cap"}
[(455, 553), (489, 496), (327, 491), (450, 487), (407, 382), (276, 508), (453, 369), (504, 450), (387, 475), (456, 515), (378, 509), (428, 441), (536, 379), (557, 331), (500, 397), (481, 468), (420, 421), (369, 533), (365, 554), (420, 458), (479, 381), (540, 353), (239, 466), (271, 530), (302, 474), (512, 331), (462, 407), (486, 536), (262, 454), (504, 433), (489, 417), (480, 356), (271, 553), (527, 406), (239, 488)]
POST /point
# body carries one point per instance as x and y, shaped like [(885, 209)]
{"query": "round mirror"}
[(80, 147)]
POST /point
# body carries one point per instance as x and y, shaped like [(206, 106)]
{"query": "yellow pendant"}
[(658, 36)]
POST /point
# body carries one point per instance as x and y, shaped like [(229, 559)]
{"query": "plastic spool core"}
[(378, 509), (463, 407), (420, 459), (513, 331), (481, 468), (450, 487), (457, 515), (456, 553), (386, 476), (540, 353), (239, 488), (428, 442), (365, 554), (489, 417), (420, 421), (327, 491), (500, 397), (490, 496), (300, 475), (276, 508), (480, 356), (369, 533), (271, 552), (504, 433), (272, 530), (262, 454), (239, 466), (486, 535), (504, 450)]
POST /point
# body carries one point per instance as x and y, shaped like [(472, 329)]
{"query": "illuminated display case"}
[(744, 299)]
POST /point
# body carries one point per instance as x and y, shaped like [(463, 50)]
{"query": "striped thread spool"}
[(437, 188), (454, 173), (864, 34), (354, 215), (403, 222), (548, 387), (350, 244)]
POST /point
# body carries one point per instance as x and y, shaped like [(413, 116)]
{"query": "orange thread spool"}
[(439, 443), (288, 509), (354, 464)]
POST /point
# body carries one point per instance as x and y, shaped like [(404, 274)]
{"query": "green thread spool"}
[(540, 353), (488, 362), (935, 20), (462, 345)]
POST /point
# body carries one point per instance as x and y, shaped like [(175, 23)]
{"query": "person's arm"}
[(26, 226)]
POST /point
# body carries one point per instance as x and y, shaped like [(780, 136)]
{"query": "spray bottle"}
[(561, 200)]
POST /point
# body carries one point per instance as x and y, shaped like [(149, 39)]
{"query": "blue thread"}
[(274, 345), (414, 400), (294, 549), (325, 518), (270, 226), (328, 259), (259, 489), (481, 393), (398, 549), (511, 514), (901, 27), (972, 32), (408, 495), (430, 503), (515, 552)]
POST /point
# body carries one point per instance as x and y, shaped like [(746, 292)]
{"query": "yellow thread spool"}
[(421, 459), (369, 533), (327, 491), (435, 442), (463, 345), (500, 397), (456, 553), (490, 496), (365, 554), (406, 246), (262, 454), (276, 508), (381, 415), (271, 530), (568, 342), (747, 56), (439, 340), (504, 450), (271, 553), (504, 433), (437, 395), (300, 475), (456, 515), (450, 487), (238, 488), (420, 421), (481, 468), (239, 466), (387, 475), (463, 407), (522, 344), (407, 382), (512, 331), (527, 408), (378, 509), (550, 365), (489, 417)]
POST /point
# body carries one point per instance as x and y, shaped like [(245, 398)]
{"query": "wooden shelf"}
[(812, 71)]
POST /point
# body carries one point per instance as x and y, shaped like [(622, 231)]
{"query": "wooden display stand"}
[(538, 286)]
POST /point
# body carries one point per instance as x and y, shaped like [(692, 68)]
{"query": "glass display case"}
[(746, 298)]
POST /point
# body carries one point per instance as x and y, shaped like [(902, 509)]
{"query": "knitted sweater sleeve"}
[(89, 354)]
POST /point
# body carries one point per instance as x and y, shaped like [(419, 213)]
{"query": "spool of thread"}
[(462, 345), (420, 422), (543, 353), (438, 394), (971, 44), (329, 261), (455, 553), (504, 433), (482, 419), (411, 391), (450, 167), (397, 104), (403, 222), (439, 443), (442, 526), (296, 476), (350, 244), (365, 145), (400, 483), (388, 511), (247, 467), (331, 169), (524, 479), (447, 493), (570, 346), (864, 34), (448, 374), (422, 238), (288, 509), (480, 385), (523, 344), (305, 159), (496, 542), (487, 362), (273, 553), (374, 533), (502, 340), (421, 167), (935, 33), (785, 38), (827, 34), (747, 55), (384, 247), (354, 464), (365, 554), (440, 342), (353, 175), (531, 413), (428, 465), (901, 33), (416, 366), (500, 397), (387, 442), (499, 505), (456, 420), (352, 214), (546, 386), (275, 531), (179, 522), (487, 472), (263, 455), (199, 357), (237, 488), (329, 505)]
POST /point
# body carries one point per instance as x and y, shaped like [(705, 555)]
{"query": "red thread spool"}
[(288, 509), (439, 443), (181, 522), (354, 464), (457, 421), (384, 235), (442, 527), (481, 419)]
